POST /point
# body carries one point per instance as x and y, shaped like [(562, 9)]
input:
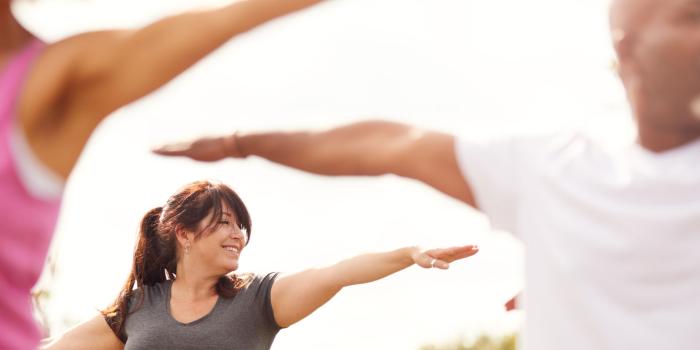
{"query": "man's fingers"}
[(173, 149)]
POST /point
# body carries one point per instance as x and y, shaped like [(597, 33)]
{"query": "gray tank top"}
[(244, 322)]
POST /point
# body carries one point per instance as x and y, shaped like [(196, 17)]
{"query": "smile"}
[(231, 249)]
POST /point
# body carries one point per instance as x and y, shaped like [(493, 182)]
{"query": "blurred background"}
[(471, 67)]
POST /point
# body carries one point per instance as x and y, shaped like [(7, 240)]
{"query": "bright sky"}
[(465, 66)]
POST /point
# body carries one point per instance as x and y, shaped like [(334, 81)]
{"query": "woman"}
[(52, 96), (187, 296)]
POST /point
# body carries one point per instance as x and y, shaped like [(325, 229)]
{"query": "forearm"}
[(92, 334), (371, 267), (296, 296), (190, 36), (255, 12), (205, 30), (364, 148), (117, 67)]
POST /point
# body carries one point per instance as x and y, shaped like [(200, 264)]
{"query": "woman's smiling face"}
[(219, 246)]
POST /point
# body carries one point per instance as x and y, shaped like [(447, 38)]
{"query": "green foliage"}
[(483, 342)]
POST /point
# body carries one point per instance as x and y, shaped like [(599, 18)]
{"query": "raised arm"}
[(92, 334), (118, 67), (82, 79), (297, 295), (367, 148)]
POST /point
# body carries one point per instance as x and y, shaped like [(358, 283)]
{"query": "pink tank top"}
[(26, 223)]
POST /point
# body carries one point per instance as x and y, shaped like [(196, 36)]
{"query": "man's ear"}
[(624, 44)]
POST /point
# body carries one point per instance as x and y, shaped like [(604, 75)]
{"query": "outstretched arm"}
[(296, 296), (92, 334), (86, 77), (117, 67), (367, 148)]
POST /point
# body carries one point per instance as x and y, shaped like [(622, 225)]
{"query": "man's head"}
[(658, 47)]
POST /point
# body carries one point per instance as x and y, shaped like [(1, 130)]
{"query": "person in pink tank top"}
[(27, 221), (52, 96)]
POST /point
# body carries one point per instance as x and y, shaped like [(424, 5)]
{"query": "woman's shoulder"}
[(254, 281), (149, 294), (256, 286)]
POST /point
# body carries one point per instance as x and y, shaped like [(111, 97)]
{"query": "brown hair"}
[(155, 255)]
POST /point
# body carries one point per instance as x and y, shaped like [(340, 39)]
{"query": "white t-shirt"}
[(612, 237)]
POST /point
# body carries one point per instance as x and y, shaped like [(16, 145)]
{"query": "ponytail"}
[(154, 262)]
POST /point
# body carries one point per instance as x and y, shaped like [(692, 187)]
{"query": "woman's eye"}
[(224, 222)]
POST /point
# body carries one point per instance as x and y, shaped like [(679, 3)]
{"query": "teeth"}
[(231, 249)]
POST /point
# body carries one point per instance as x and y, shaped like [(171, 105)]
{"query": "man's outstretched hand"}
[(204, 149)]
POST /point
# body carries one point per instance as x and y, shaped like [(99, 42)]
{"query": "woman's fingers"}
[(424, 260), (465, 252), (454, 253), (440, 264), (442, 257)]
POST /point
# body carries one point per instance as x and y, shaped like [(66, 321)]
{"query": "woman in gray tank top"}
[(187, 295)]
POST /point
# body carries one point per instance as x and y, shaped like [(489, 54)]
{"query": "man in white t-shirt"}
[(612, 233)]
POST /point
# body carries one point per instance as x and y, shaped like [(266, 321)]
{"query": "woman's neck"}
[(192, 285)]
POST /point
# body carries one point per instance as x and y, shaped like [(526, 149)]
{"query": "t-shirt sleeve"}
[(494, 168), (134, 301), (263, 296)]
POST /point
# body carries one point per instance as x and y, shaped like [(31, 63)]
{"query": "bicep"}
[(92, 334), (297, 295), (430, 157)]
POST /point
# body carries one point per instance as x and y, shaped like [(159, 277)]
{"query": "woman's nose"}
[(236, 232)]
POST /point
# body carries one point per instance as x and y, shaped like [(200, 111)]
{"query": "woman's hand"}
[(442, 257)]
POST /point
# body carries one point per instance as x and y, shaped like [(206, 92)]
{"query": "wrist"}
[(232, 145), (410, 253)]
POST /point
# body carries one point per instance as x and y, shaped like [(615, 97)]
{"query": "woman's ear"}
[(182, 236)]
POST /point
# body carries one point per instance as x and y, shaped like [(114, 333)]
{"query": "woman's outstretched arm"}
[(121, 66), (296, 296), (82, 79)]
